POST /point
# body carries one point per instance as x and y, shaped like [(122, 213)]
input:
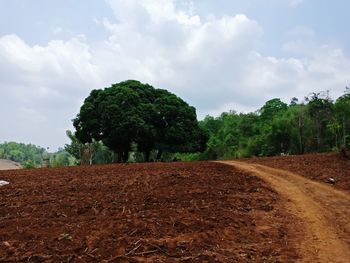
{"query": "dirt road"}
[(323, 213)]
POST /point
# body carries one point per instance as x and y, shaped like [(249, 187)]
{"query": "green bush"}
[(30, 164)]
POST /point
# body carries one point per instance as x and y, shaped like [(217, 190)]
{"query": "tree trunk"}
[(86, 156), (91, 153), (301, 133), (147, 155), (344, 132), (115, 157), (120, 156), (125, 156), (81, 154), (336, 140), (159, 155), (318, 135)]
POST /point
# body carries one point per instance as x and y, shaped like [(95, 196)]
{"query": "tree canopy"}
[(316, 124), (31, 156), (22, 153), (131, 113)]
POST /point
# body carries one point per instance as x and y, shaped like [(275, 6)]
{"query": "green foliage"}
[(315, 125), (100, 154), (29, 164), (61, 158), (342, 112), (75, 148), (189, 157), (271, 109), (26, 154), (321, 110), (130, 113)]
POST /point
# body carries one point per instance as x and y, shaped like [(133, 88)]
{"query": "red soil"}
[(318, 167), (178, 212)]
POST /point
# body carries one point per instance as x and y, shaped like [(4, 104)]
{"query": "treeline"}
[(158, 131), (31, 156), (317, 124)]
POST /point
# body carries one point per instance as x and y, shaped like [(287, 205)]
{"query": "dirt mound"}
[(179, 212), (9, 165), (318, 167)]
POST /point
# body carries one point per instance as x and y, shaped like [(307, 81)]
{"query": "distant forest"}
[(316, 124), (31, 156)]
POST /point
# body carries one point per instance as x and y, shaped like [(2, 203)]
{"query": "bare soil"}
[(9, 165), (323, 212), (319, 167), (178, 212)]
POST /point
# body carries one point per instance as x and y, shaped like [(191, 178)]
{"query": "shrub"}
[(30, 164)]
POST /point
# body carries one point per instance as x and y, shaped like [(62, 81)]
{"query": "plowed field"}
[(178, 212), (317, 167)]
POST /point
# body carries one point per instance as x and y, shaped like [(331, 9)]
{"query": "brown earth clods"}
[(177, 212), (319, 167)]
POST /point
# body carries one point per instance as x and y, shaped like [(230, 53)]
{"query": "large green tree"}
[(130, 113)]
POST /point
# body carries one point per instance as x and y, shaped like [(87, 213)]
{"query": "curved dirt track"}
[(323, 213)]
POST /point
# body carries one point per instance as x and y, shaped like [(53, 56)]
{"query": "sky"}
[(216, 55)]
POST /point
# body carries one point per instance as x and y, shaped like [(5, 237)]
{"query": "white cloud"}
[(214, 64), (40, 87), (181, 57)]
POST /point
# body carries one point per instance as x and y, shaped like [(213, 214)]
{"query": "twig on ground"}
[(146, 252), (133, 250), (159, 248)]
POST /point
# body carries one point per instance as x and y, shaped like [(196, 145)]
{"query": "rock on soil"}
[(2, 183)]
